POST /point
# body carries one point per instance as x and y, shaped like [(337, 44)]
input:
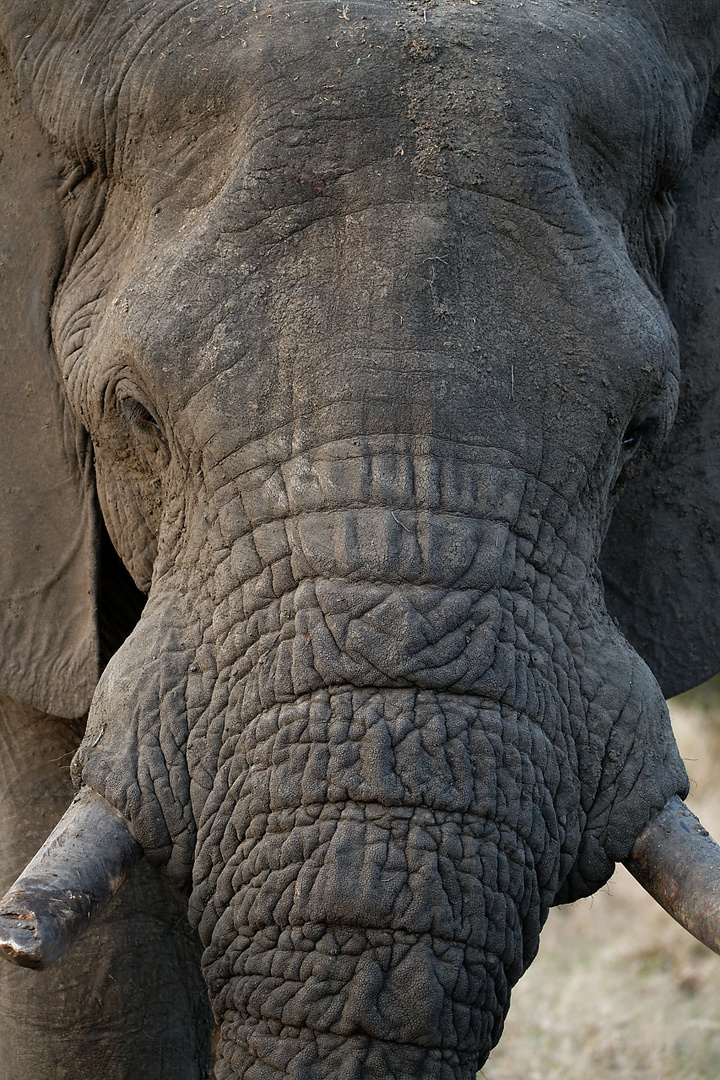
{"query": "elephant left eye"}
[(138, 415), (142, 430)]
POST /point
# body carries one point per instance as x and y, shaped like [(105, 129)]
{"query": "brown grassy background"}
[(619, 990)]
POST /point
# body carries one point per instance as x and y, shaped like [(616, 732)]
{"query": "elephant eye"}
[(139, 416), (142, 431), (640, 429)]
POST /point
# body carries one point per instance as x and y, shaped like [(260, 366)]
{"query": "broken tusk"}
[(678, 862), (82, 863)]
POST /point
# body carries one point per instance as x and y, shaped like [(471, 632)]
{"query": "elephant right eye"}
[(641, 429), (632, 436)]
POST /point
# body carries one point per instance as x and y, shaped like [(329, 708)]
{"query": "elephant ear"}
[(691, 29), (661, 558), (48, 523)]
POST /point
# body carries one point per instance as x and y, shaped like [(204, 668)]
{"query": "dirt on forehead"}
[(618, 989)]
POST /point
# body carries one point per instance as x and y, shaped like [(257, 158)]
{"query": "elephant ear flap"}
[(48, 558), (661, 558)]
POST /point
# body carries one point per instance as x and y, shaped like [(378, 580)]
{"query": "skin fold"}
[(360, 309)]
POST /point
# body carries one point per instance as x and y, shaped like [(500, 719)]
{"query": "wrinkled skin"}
[(360, 311)]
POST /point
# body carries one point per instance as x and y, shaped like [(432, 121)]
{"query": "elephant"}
[(359, 382)]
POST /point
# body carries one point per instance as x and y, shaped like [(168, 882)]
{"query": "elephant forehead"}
[(189, 80)]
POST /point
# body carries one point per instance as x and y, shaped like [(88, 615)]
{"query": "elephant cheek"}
[(134, 750)]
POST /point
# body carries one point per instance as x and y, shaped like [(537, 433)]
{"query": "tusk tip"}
[(21, 941), (79, 867)]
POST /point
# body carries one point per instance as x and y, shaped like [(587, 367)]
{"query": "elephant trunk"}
[(375, 884)]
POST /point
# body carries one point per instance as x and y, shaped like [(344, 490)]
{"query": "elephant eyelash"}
[(138, 415)]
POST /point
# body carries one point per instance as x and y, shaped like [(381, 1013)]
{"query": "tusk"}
[(678, 862), (82, 863)]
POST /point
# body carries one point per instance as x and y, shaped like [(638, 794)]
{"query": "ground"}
[(619, 991)]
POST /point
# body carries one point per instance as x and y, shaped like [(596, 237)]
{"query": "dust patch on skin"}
[(619, 989)]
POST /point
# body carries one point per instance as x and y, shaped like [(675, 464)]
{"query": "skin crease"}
[(360, 311)]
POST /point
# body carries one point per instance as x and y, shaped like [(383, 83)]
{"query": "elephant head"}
[(357, 321)]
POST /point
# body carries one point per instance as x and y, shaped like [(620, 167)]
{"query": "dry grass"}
[(618, 989)]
